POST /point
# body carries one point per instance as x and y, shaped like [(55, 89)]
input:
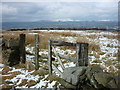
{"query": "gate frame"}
[(81, 54)]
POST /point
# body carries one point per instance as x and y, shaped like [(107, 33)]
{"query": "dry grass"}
[(101, 53), (91, 36), (40, 72), (15, 73), (20, 66), (112, 36), (5, 70), (23, 83), (44, 37), (31, 83), (82, 39), (44, 41), (30, 39), (94, 47), (8, 82), (8, 77), (96, 61), (53, 77), (65, 61), (97, 56), (29, 65), (64, 34)]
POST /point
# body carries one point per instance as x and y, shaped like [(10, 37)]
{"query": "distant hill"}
[(60, 24)]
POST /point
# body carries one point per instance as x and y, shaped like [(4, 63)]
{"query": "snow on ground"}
[(69, 39), (30, 57), (32, 33), (1, 65), (107, 46), (26, 75), (81, 32)]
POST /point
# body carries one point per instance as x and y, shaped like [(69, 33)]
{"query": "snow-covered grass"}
[(103, 45), (103, 51)]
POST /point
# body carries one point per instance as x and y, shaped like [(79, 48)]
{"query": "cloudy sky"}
[(36, 11)]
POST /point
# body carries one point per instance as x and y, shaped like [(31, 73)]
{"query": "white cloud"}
[(35, 11), (8, 10)]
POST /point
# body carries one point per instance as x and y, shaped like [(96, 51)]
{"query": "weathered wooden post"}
[(36, 51), (82, 54), (84, 50), (50, 56), (22, 48)]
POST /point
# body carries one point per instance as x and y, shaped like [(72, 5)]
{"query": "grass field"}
[(103, 50)]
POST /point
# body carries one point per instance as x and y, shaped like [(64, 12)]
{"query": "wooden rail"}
[(81, 54), (61, 43)]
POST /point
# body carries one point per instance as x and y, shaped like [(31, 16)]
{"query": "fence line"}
[(81, 58)]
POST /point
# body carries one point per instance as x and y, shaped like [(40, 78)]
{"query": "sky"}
[(33, 11)]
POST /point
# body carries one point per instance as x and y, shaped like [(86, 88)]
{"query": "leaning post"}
[(50, 56), (22, 48), (36, 51)]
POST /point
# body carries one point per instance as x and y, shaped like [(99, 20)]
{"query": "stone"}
[(112, 84), (102, 78), (72, 74), (75, 79), (92, 69), (92, 76)]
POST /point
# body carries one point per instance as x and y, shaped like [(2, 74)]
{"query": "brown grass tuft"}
[(8, 82), (23, 83), (5, 70), (20, 66), (64, 34), (31, 83), (15, 73), (8, 77), (29, 65), (82, 39), (40, 72), (53, 77)]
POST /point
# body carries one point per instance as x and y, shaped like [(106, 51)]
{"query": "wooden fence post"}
[(50, 56), (22, 48), (78, 48), (36, 51), (82, 54), (84, 51)]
